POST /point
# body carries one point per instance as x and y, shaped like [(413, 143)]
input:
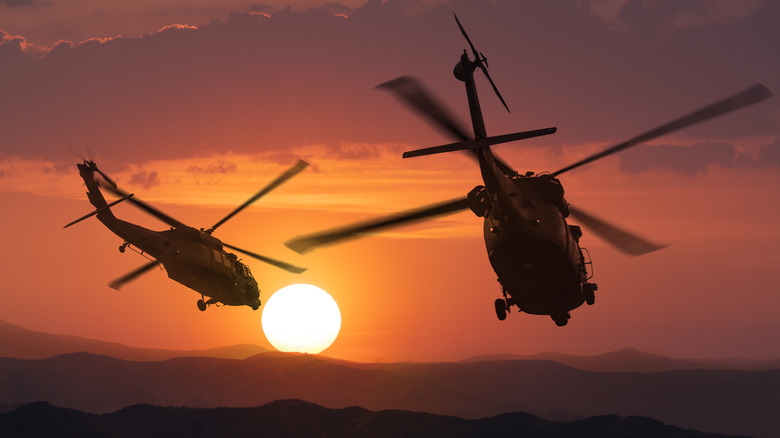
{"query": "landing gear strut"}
[(588, 291), (501, 309), (503, 305)]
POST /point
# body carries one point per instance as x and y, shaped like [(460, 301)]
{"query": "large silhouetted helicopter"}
[(533, 250), (192, 257)]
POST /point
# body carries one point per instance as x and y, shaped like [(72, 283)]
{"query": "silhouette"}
[(724, 401), (190, 256), (296, 418), (536, 254)]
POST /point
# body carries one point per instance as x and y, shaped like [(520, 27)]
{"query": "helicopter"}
[(534, 251), (190, 256)]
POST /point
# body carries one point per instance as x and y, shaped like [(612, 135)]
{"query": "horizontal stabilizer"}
[(476, 144), (126, 197)]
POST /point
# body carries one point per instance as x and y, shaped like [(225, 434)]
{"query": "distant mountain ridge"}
[(723, 401), (295, 418), (633, 360), (22, 343), (18, 342)]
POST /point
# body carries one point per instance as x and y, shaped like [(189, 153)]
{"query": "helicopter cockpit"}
[(243, 270)]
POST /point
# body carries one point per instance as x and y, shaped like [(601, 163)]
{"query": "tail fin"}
[(87, 171)]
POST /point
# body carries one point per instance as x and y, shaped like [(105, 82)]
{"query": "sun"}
[(301, 318)]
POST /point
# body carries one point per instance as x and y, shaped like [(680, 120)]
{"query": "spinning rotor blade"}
[(620, 239), (294, 170), (413, 94), (119, 282), (108, 180), (481, 61), (147, 208), (303, 244), (91, 164), (270, 261), (752, 95)]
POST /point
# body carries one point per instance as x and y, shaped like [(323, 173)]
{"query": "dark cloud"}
[(697, 157), (669, 13), (145, 179), (769, 154), (262, 8), (359, 152), (59, 169), (251, 83), (682, 14), (221, 166), (25, 3)]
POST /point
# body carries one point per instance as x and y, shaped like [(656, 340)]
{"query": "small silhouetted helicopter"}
[(192, 257), (533, 250)]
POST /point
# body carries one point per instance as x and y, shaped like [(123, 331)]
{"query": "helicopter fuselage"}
[(532, 249), (190, 256)]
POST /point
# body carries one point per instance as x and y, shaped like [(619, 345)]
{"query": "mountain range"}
[(19, 342), (295, 418), (732, 401)]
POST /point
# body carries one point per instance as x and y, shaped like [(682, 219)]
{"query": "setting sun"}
[(301, 318)]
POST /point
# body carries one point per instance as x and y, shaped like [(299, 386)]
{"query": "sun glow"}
[(301, 318)]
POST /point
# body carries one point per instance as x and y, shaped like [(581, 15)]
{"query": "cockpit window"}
[(243, 269)]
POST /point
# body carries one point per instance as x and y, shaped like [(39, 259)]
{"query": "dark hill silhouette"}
[(16, 341), (724, 401), (295, 418), (633, 360)]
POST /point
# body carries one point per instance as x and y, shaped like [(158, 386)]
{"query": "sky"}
[(194, 106)]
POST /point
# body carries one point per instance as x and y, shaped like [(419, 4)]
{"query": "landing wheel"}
[(202, 305), (500, 309), (561, 319), (589, 292)]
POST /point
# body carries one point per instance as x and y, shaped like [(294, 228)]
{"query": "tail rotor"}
[(480, 60)]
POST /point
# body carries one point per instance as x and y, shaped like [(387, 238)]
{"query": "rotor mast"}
[(464, 71)]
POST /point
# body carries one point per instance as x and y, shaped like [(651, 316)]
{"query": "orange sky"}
[(196, 120)]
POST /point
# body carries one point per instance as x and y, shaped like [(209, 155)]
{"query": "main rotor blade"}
[(147, 208), (303, 244), (623, 240), (412, 93), (294, 170), (108, 180), (119, 282), (752, 95), (270, 261)]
